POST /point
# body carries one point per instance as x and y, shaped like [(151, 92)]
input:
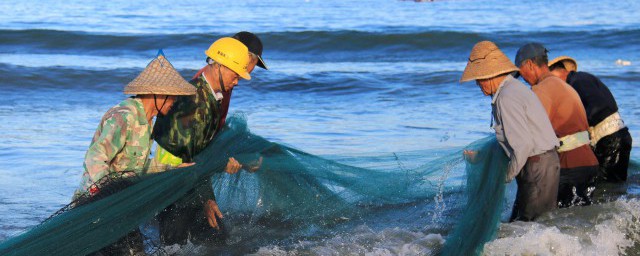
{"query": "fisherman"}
[(193, 124), (522, 129), (610, 138), (579, 166), (122, 143), (254, 45)]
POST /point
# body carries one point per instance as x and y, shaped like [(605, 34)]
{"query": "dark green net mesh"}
[(294, 195)]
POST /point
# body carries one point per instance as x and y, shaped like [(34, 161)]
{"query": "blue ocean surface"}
[(347, 80)]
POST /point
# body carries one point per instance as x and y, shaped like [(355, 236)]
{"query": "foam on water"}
[(345, 78), (363, 240), (605, 229)]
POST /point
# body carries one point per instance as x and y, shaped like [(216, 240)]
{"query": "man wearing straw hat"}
[(610, 138), (187, 130), (579, 165), (122, 142), (522, 130)]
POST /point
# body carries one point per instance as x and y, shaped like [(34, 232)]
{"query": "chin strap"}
[(155, 102), (220, 79)]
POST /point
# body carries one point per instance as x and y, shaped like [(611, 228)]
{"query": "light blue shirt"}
[(522, 126)]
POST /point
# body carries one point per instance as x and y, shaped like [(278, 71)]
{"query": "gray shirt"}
[(522, 126)]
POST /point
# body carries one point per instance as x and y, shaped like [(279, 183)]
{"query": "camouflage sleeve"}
[(110, 141)]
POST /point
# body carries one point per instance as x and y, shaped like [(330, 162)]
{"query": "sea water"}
[(356, 81)]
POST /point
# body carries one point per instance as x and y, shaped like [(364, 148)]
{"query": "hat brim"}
[(261, 63), (571, 66), (160, 78)]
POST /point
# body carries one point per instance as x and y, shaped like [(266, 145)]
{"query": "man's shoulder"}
[(552, 85), (513, 87), (202, 89), (514, 83), (198, 81), (552, 80), (581, 77), (128, 104), (582, 74), (126, 108)]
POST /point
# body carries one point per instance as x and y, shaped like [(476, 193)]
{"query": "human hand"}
[(93, 190), (470, 155), (232, 166), (255, 166), (185, 164), (212, 211)]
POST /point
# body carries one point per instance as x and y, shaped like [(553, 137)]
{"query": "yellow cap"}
[(232, 54)]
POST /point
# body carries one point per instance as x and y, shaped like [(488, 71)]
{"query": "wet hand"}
[(255, 166), (211, 210), (93, 190), (185, 164), (232, 166), (470, 155)]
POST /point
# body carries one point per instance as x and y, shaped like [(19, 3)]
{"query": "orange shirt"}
[(567, 116)]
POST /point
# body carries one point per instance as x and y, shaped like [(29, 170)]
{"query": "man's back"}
[(538, 126), (191, 124), (567, 116)]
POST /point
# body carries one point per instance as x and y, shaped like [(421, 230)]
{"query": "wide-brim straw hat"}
[(160, 78), (569, 63), (486, 61)]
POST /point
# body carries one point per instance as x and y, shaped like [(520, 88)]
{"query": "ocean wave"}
[(287, 67), (29, 78), (407, 43), (336, 78), (107, 73)]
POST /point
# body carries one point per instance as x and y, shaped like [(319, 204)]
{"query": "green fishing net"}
[(294, 195), (485, 197)]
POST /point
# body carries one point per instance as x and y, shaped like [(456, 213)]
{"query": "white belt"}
[(608, 126), (573, 141)]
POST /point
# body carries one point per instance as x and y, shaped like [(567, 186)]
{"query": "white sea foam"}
[(606, 229), (621, 62), (365, 241)]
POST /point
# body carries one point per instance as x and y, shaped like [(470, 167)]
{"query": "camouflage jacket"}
[(191, 123), (122, 142)]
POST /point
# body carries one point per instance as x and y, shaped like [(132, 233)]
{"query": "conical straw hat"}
[(569, 63), (159, 77), (486, 61)]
